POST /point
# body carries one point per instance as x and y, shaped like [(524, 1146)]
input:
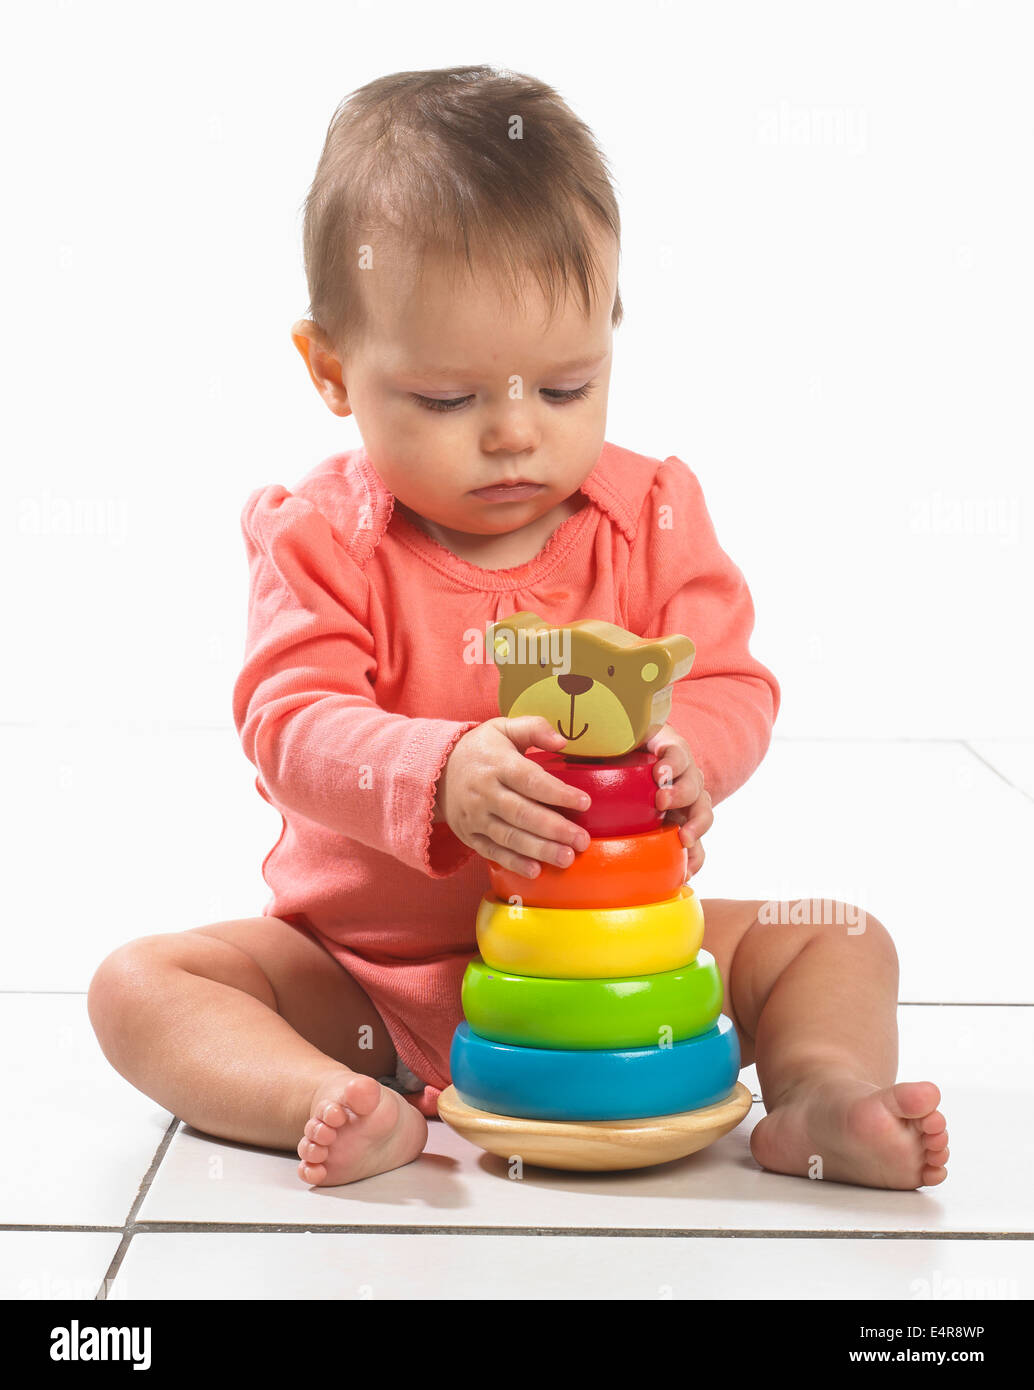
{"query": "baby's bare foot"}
[(357, 1128), (892, 1136)]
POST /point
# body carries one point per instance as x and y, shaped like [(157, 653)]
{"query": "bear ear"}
[(502, 643), (650, 672), (501, 637), (666, 661)]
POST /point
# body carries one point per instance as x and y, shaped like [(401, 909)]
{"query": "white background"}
[(826, 273)]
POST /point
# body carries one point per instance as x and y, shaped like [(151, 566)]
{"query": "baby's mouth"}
[(508, 492)]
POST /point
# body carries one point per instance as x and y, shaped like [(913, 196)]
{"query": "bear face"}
[(606, 690)]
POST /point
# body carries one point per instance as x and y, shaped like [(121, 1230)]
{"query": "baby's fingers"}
[(506, 859), (693, 820), (534, 785), (700, 819), (694, 859), (522, 850), (685, 790), (531, 731)]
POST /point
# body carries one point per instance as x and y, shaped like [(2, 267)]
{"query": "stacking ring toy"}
[(623, 791), (550, 1084), (526, 1011), (590, 943), (621, 871)]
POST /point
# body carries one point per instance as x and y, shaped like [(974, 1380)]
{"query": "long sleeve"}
[(304, 704), (683, 581)]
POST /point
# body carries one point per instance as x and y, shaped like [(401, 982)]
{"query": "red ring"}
[(623, 791)]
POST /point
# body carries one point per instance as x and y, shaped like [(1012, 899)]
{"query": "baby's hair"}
[(471, 161)]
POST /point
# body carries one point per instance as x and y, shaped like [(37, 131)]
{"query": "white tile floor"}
[(932, 837)]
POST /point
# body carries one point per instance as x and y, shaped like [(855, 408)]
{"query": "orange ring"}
[(619, 871)]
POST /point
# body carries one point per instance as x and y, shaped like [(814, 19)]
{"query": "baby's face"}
[(458, 388)]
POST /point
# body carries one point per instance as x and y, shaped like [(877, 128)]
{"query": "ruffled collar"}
[(618, 485)]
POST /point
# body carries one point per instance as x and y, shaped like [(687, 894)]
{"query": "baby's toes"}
[(312, 1173), (934, 1123), (361, 1094), (310, 1151), (330, 1114), (915, 1100), (935, 1158), (319, 1131), (936, 1144)]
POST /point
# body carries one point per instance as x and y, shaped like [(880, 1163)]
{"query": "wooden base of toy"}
[(599, 1145)]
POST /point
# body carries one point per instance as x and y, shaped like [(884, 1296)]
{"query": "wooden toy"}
[(594, 1083), (593, 1034), (615, 872), (590, 943), (623, 792), (532, 1012), (599, 1146), (606, 690)]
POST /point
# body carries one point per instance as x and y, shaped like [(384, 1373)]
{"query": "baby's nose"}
[(574, 685)]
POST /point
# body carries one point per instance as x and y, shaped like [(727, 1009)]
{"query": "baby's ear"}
[(304, 334), (324, 367)]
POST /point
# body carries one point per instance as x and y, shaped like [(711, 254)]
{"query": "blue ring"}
[(547, 1083)]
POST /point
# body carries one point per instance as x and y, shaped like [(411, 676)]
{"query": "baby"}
[(461, 242)]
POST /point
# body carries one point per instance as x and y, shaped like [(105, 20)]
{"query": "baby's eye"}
[(429, 402), (454, 402), (560, 397)]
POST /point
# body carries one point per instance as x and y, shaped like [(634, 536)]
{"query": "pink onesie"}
[(354, 689)]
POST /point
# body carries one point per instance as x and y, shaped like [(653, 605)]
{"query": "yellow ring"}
[(576, 943)]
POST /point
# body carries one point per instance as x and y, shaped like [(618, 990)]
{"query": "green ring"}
[(529, 1011)]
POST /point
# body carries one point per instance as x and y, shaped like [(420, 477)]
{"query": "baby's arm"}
[(303, 702), (683, 581)]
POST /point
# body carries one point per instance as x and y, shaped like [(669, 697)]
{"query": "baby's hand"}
[(686, 800), (489, 795)]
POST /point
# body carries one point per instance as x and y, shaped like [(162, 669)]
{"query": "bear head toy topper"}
[(606, 690)]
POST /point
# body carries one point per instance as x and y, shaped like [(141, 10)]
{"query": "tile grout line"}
[(84, 1229), (997, 771), (129, 1225), (652, 1232)]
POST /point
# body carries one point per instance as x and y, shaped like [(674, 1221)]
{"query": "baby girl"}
[(461, 244)]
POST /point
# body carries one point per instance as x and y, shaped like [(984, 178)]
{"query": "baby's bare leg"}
[(811, 986), (251, 1031)]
